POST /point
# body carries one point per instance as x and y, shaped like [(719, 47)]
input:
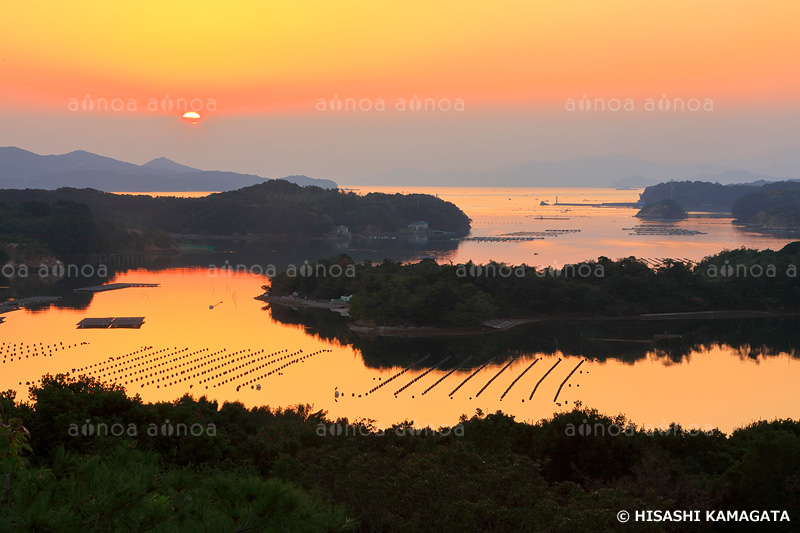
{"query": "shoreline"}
[(504, 324), (299, 301), (435, 331)]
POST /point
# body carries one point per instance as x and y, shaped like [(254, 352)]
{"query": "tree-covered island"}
[(428, 294), (274, 209)]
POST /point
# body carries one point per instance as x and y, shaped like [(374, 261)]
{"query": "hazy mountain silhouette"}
[(162, 163), (21, 169), (633, 182), (608, 171)]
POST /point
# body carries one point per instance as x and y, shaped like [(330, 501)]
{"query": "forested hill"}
[(773, 208), (697, 195), (706, 196), (275, 208)]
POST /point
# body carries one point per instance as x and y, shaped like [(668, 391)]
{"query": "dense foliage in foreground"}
[(269, 470), (429, 294)]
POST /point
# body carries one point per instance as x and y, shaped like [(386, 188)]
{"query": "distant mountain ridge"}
[(620, 171), (21, 169), (168, 165)]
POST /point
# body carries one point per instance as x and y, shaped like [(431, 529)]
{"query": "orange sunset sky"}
[(267, 67)]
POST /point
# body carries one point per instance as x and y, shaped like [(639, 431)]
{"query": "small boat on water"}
[(543, 202), (667, 338)]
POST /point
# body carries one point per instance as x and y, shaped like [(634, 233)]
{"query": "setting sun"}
[(192, 117)]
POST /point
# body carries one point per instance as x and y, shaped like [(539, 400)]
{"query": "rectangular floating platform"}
[(95, 322), (112, 322), (114, 286), (128, 322)]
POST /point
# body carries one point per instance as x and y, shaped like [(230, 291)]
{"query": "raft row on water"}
[(517, 378), (545, 233), (502, 239), (495, 376), (12, 350), (464, 362), (299, 359), (216, 366), (661, 230), (542, 379), (484, 365), (567, 379), (476, 372), (431, 369), (412, 365), (173, 365)]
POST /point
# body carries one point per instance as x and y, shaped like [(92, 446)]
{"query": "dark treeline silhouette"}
[(35, 235), (770, 208), (64, 229), (261, 466), (707, 196), (276, 209)]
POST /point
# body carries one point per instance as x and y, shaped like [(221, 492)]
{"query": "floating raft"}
[(112, 322), (540, 381), (114, 286), (518, 377), (495, 376), (661, 229), (13, 305), (501, 239), (667, 338), (545, 233), (567, 379), (464, 362)]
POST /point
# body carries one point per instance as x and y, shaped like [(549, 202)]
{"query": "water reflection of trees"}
[(324, 325), (254, 257), (627, 341)]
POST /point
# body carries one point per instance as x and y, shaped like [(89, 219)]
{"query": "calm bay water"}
[(498, 211), (603, 230), (728, 373)]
